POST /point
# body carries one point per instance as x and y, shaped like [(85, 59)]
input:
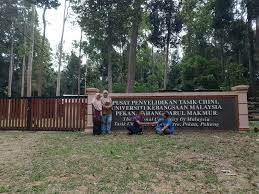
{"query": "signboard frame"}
[(193, 97)]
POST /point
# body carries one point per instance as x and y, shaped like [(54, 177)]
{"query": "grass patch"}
[(56, 162), (4, 189)]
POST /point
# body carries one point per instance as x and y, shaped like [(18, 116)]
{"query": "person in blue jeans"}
[(106, 113), (164, 126)]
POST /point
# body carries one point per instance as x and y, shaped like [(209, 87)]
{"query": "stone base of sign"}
[(241, 92), (238, 92), (90, 96)]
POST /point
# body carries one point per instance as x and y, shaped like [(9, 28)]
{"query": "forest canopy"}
[(129, 46)]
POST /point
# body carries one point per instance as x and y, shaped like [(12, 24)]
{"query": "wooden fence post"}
[(29, 113)]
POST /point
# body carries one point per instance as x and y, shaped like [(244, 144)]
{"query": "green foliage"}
[(106, 23), (93, 78), (215, 32), (197, 21), (199, 72), (70, 75), (119, 87), (165, 22), (224, 14), (21, 15), (236, 74), (214, 44), (150, 86)]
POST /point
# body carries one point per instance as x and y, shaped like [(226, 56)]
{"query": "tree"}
[(79, 65), (45, 4), (11, 64), (65, 15), (223, 11), (9, 43), (44, 59), (70, 75), (30, 61), (7, 19), (197, 23), (251, 8), (136, 21), (24, 59), (198, 72), (166, 26), (257, 40), (105, 23), (19, 13)]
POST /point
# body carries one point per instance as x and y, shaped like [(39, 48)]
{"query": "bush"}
[(235, 74), (199, 72), (119, 87)]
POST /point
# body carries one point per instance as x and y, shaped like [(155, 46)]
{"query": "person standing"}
[(97, 114), (107, 112)]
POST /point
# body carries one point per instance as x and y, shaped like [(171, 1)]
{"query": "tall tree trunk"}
[(23, 64), (120, 79), (222, 59), (239, 57), (85, 77), (61, 48), (250, 51), (141, 74), (30, 61), (166, 61), (109, 67), (79, 66), (40, 76), (132, 57), (11, 65), (257, 44), (152, 60), (250, 46), (24, 57), (133, 45), (189, 37)]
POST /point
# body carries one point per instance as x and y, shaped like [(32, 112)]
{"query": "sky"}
[(54, 19)]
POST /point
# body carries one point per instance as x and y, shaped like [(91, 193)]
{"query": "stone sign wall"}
[(226, 110), (187, 113)]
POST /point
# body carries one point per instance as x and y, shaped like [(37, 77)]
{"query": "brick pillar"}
[(241, 92), (90, 96)]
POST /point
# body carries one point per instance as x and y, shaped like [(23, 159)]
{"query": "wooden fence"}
[(62, 113)]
